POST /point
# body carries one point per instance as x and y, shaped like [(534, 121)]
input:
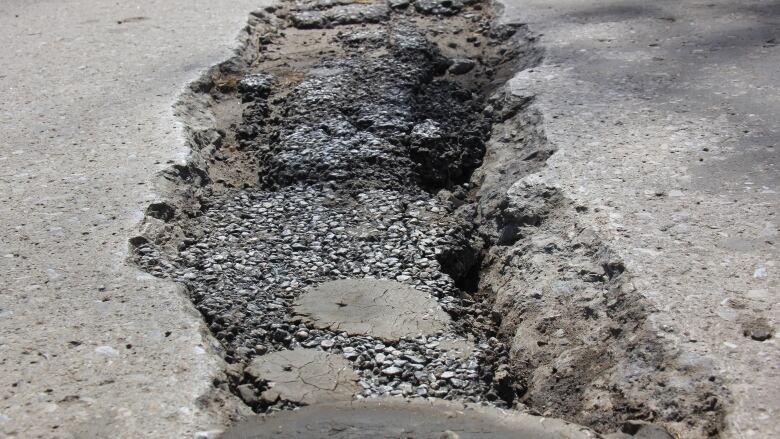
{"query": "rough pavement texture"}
[(664, 116), (386, 418), (304, 376), (90, 346), (387, 310)]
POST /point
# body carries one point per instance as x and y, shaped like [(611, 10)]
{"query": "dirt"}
[(365, 113)]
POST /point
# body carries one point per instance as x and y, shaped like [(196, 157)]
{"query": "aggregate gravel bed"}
[(259, 250)]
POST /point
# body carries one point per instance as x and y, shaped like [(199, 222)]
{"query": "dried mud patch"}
[(583, 347)]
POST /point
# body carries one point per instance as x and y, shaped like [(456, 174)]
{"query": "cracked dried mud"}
[(388, 310)]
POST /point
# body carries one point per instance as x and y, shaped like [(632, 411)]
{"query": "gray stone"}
[(308, 20), (645, 430), (415, 359), (391, 371), (398, 4), (257, 85), (358, 13), (247, 393), (438, 7), (461, 66)]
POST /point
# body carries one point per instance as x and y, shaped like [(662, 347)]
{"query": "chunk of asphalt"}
[(384, 309), (304, 376), (395, 417)]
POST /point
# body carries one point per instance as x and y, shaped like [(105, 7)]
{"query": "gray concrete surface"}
[(395, 418), (90, 347), (304, 376), (666, 117), (384, 309)]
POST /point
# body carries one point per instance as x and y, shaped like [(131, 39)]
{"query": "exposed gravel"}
[(260, 249), (361, 164)]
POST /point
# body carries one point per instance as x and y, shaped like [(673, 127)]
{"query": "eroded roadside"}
[(352, 152)]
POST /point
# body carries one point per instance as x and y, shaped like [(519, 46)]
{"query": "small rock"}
[(247, 393), (391, 371), (107, 351), (461, 66), (308, 20), (399, 4), (438, 7), (358, 13), (758, 329), (349, 353), (645, 430), (415, 359), (281, 335), (256, 85)]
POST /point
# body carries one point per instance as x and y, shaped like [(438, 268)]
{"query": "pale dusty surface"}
[(395, 417), (665, 117), (385, 309), (305, 376), (88, 345)]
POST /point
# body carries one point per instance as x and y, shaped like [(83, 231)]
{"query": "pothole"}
[(360, 126), (351, 144)]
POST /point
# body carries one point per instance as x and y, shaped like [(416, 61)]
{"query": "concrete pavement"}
[(665, 119), (90, 346)]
